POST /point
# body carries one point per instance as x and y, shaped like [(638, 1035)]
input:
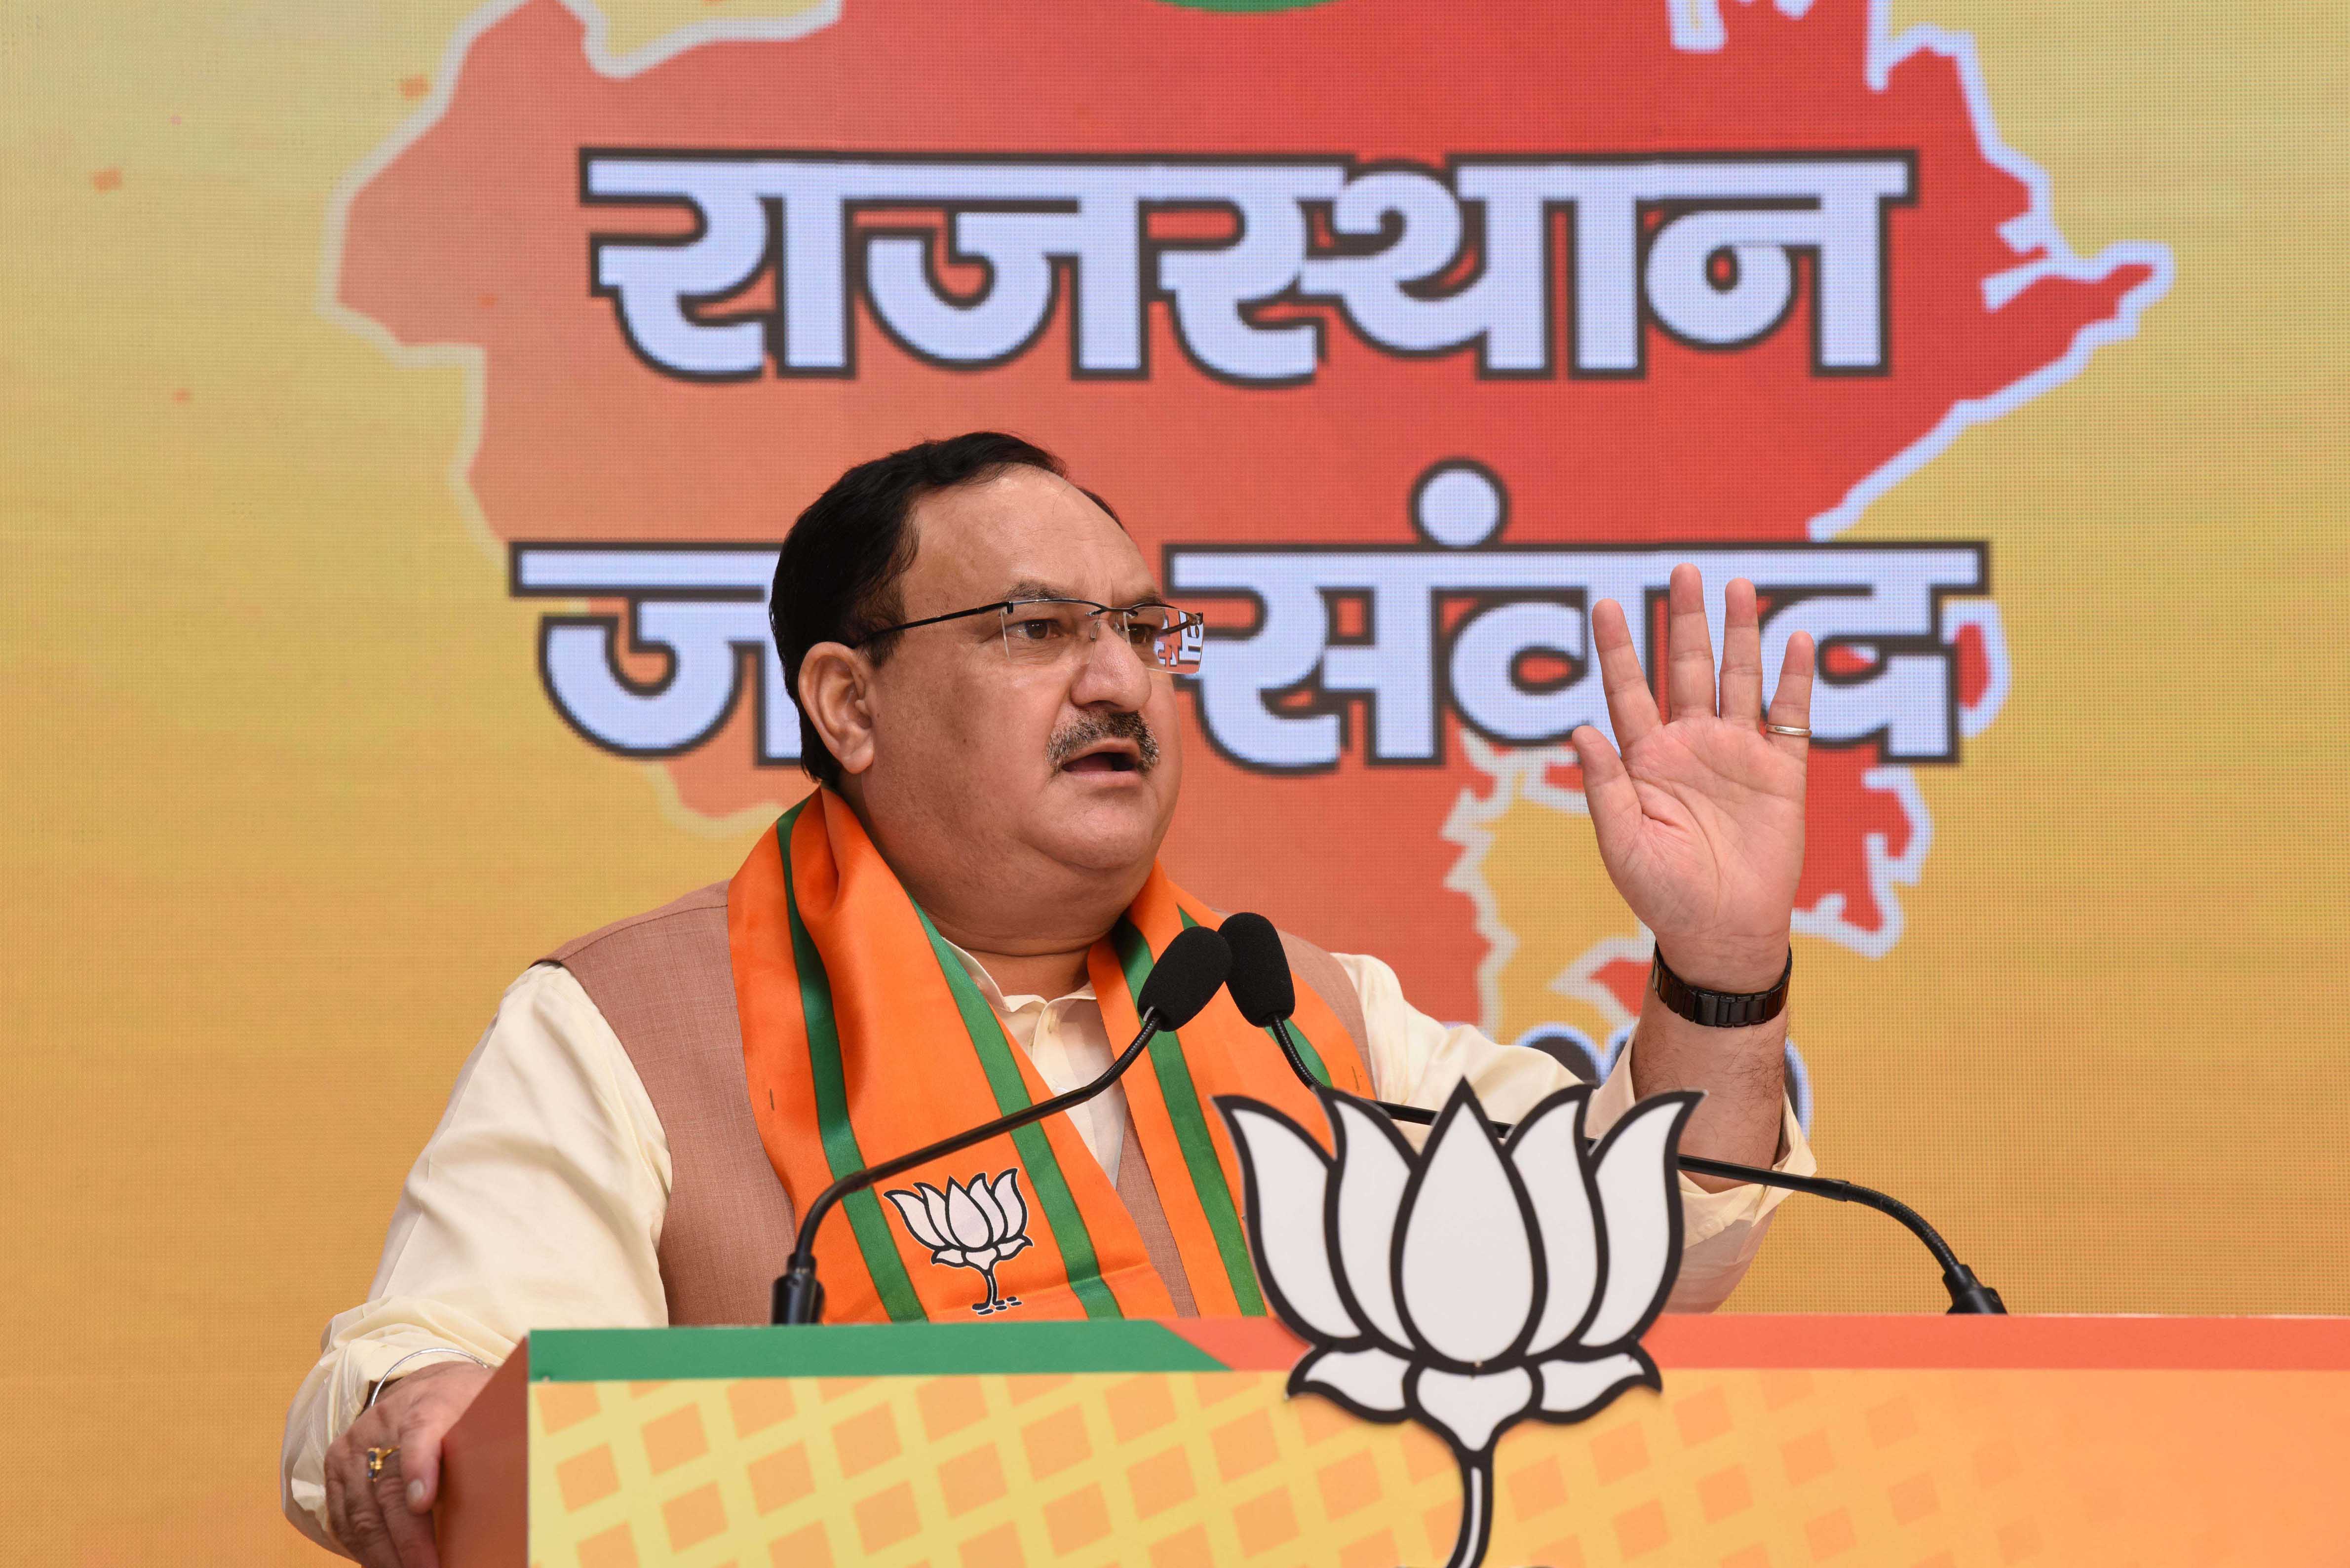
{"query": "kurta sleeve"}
[(1415, 1061), (537, 1203)]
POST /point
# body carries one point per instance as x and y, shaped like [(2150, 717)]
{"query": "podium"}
[(1927, 1441)]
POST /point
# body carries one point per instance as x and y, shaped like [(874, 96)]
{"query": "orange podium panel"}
[(1925, 1441)]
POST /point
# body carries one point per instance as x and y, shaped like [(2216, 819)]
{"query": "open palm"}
[(1701, 817)]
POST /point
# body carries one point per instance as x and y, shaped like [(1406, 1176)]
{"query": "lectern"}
[(1900, 1441)]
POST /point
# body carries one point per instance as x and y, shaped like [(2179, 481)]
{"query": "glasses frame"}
[(1184, 619)]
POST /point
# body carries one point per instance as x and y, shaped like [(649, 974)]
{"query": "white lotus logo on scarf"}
[(1473, 1285), (974, 1224)]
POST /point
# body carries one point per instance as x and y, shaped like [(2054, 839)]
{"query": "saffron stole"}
[(864, 1036)]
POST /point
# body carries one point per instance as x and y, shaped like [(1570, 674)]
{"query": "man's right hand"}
[(388, 1522)]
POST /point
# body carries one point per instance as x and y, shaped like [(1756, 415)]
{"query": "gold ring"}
[(375, 1460), (1795, 730)]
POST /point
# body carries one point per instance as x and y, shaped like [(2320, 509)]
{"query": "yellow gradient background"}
[(286, 808)]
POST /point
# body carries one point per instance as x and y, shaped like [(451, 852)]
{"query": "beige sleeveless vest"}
[(665, 983)]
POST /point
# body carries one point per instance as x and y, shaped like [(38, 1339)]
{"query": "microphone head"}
[(1186, 978), (1261, 988)]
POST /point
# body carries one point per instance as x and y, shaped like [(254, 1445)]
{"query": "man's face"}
[(981, 764)]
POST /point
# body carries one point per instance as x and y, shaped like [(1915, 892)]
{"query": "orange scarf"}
[(865, 1036)]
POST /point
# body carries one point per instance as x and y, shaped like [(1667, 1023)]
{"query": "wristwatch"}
[(1720, 1008)]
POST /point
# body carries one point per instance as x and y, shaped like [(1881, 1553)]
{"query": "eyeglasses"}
[(1168, 641)]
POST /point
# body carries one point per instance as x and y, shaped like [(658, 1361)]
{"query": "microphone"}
[(1185, 980), (1264, 993)]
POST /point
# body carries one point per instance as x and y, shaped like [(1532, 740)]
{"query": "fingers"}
[(1688, 646), (408, 1532), (1607, 790), (1790, 704), (1631, 706), (1741, 656), (339, 1513), (355, 1510), (419, 1459)]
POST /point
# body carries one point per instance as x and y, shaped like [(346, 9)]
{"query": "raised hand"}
[(1701, 818)]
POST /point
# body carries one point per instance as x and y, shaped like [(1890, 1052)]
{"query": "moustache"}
[(1094, 728)]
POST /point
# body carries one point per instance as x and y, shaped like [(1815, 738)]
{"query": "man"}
[(952, 923)]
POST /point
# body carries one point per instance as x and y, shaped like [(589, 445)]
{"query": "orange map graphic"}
[(473, 238)]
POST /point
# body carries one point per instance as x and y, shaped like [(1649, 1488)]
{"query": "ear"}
[(835, 694)]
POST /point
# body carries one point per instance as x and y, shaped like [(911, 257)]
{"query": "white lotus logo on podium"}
[(1475, 1284), (974, 1224)]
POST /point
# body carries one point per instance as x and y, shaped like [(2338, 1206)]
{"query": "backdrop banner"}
[(404, 405), (1400, 345)]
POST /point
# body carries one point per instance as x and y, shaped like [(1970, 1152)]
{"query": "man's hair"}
[(837, 577)]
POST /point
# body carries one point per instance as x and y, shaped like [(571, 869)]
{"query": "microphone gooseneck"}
[(1185, 980), (1264, 993)]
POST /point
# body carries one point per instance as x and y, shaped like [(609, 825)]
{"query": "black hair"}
[(837, 577)]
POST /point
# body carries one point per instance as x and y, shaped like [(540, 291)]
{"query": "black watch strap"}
[(1721, 1009)]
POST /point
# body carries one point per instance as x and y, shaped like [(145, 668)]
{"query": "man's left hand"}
[(1701, 818)]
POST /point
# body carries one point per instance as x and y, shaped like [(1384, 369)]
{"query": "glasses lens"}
[(1146, 628), (1042, 632), (1175, 641), (1046, 631)]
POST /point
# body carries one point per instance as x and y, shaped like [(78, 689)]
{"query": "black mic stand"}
[(1968, 1293)]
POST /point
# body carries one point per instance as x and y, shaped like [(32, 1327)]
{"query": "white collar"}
[(1011, 1004)]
